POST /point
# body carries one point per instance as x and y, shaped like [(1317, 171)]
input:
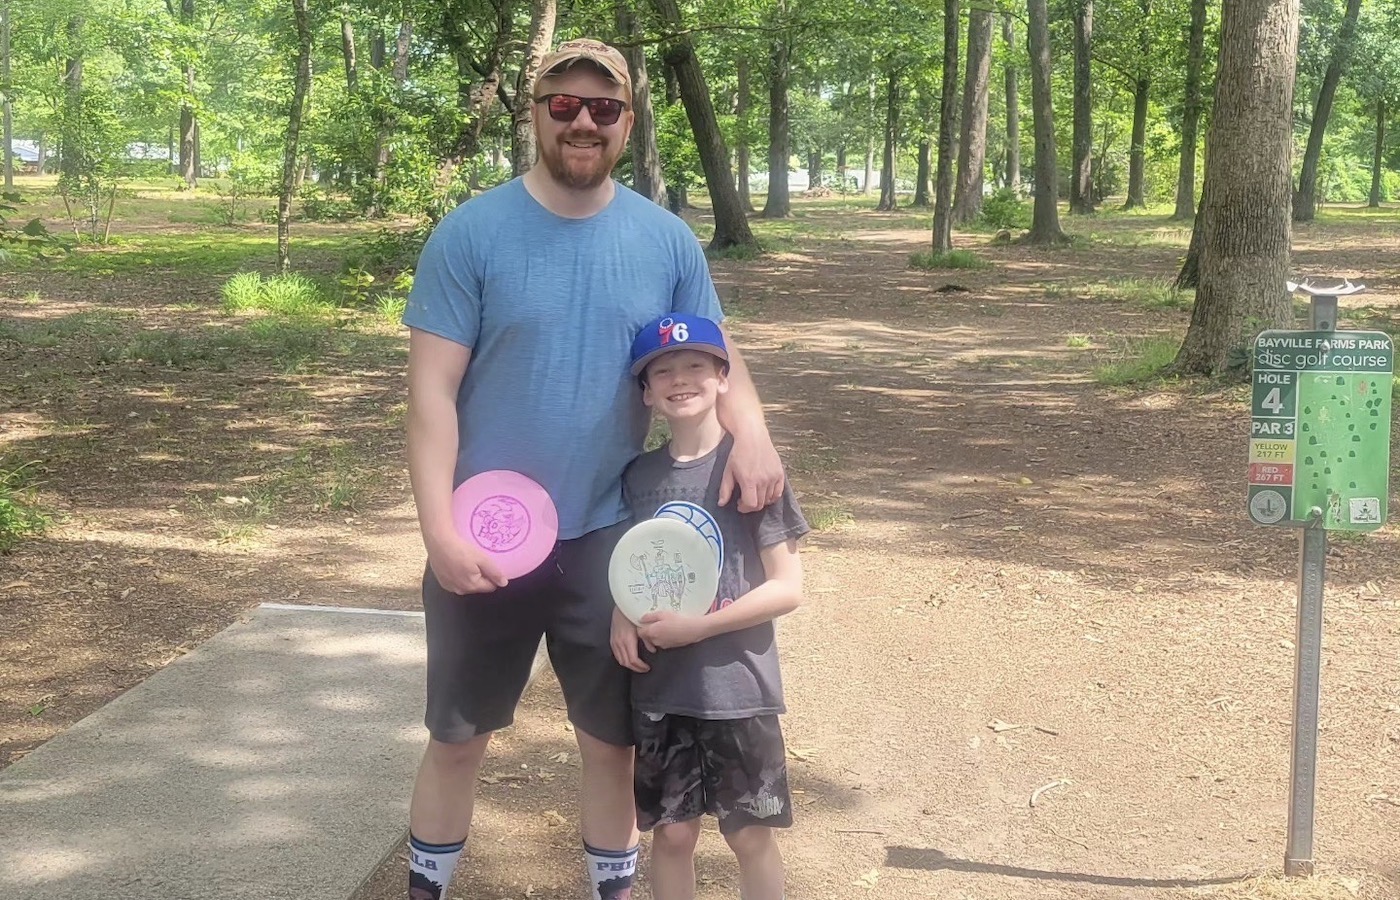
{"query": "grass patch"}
[(736, 251), (1149, 292), (951, 259), (20, 517), (52, 332), (1140, 361), (1078, 341), (288, 343), (286, 295), (826, 515)]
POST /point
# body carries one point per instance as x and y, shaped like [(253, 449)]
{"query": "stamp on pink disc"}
[(509, 516)]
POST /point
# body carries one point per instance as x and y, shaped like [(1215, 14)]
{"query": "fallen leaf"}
[(869, 879), (13, 585), (554, 819), (999, 726), (1024, 480), (126, 593), (802, 755), (560, 757)]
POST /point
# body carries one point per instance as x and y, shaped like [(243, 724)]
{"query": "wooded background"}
[(381, 109)]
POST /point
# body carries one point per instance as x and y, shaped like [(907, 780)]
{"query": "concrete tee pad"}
[(274, 761)]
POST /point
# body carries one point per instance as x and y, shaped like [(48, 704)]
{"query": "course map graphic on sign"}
[(1320, 429)]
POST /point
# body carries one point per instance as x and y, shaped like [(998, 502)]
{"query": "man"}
[(521, 317)]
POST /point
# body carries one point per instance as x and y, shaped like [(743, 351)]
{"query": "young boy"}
[(707, 691)]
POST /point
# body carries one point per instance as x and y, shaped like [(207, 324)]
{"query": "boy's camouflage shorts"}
[(733, 769)]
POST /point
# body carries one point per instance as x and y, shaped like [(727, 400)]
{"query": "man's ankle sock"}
[(610, 872), (430, 868)]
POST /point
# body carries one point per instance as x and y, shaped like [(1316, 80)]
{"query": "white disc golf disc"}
[(700, 519), (662, 565)]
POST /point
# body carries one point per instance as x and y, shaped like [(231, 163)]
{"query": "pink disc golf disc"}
[(509, 516)]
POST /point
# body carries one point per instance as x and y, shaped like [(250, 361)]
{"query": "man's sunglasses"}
[(565, 108)]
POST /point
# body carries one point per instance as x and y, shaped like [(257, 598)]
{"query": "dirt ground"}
[(1044, 653)]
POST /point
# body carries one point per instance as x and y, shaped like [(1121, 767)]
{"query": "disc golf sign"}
[(1320, 429)]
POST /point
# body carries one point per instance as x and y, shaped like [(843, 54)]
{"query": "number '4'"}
[(1272, 402)]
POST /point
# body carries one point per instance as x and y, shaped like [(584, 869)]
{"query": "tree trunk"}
[(647, 179), (522, 148), (1137, 153), (1244, 215), (841, 169), (888, 197), (5, 111), (69, 159), (1013, 107), (1375, 200), (1081, 184), (475, 98), (923, 197), (947, 131), (387, 119), (869, 167), (290, 155), (347, 50), (188, 168), (677, 195), (743, 103), (1191, 113), (778, 204), (1305, 198), (1045, 218), (972, 142), (376, 50), (731, 225), (1190, 275)]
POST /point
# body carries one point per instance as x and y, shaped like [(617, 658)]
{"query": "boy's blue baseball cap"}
[(677, 331)]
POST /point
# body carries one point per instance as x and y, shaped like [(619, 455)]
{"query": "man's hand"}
[(756, 470), (624, 643), (668, 629), (463, 568)]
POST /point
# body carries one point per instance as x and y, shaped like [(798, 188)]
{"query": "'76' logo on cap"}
[(670, 328)]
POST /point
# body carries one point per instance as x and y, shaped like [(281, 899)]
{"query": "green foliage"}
[(952, 259), (1003, 209), (94, 144), (31, 237), (20, 517)]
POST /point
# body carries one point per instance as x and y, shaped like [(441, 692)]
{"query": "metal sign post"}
[(1319, 458)]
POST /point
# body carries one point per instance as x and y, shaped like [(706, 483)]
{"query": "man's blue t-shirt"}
[(549, 307)]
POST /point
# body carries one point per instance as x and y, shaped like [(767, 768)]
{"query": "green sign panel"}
[(1320, 429)]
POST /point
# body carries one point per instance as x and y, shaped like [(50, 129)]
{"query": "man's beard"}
[(576, 177)]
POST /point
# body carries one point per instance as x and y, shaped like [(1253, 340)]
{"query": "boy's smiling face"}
[(684, 384)]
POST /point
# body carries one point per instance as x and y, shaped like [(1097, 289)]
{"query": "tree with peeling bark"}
[(947, 131), (972, 142), (731, 225), (1244, 245), (542, 18), (1045, 215)]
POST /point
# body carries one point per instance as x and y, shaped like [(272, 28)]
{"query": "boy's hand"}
[(668, 629), (624, 643)]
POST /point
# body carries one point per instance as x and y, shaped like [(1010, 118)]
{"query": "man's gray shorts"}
[(481, 646)]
